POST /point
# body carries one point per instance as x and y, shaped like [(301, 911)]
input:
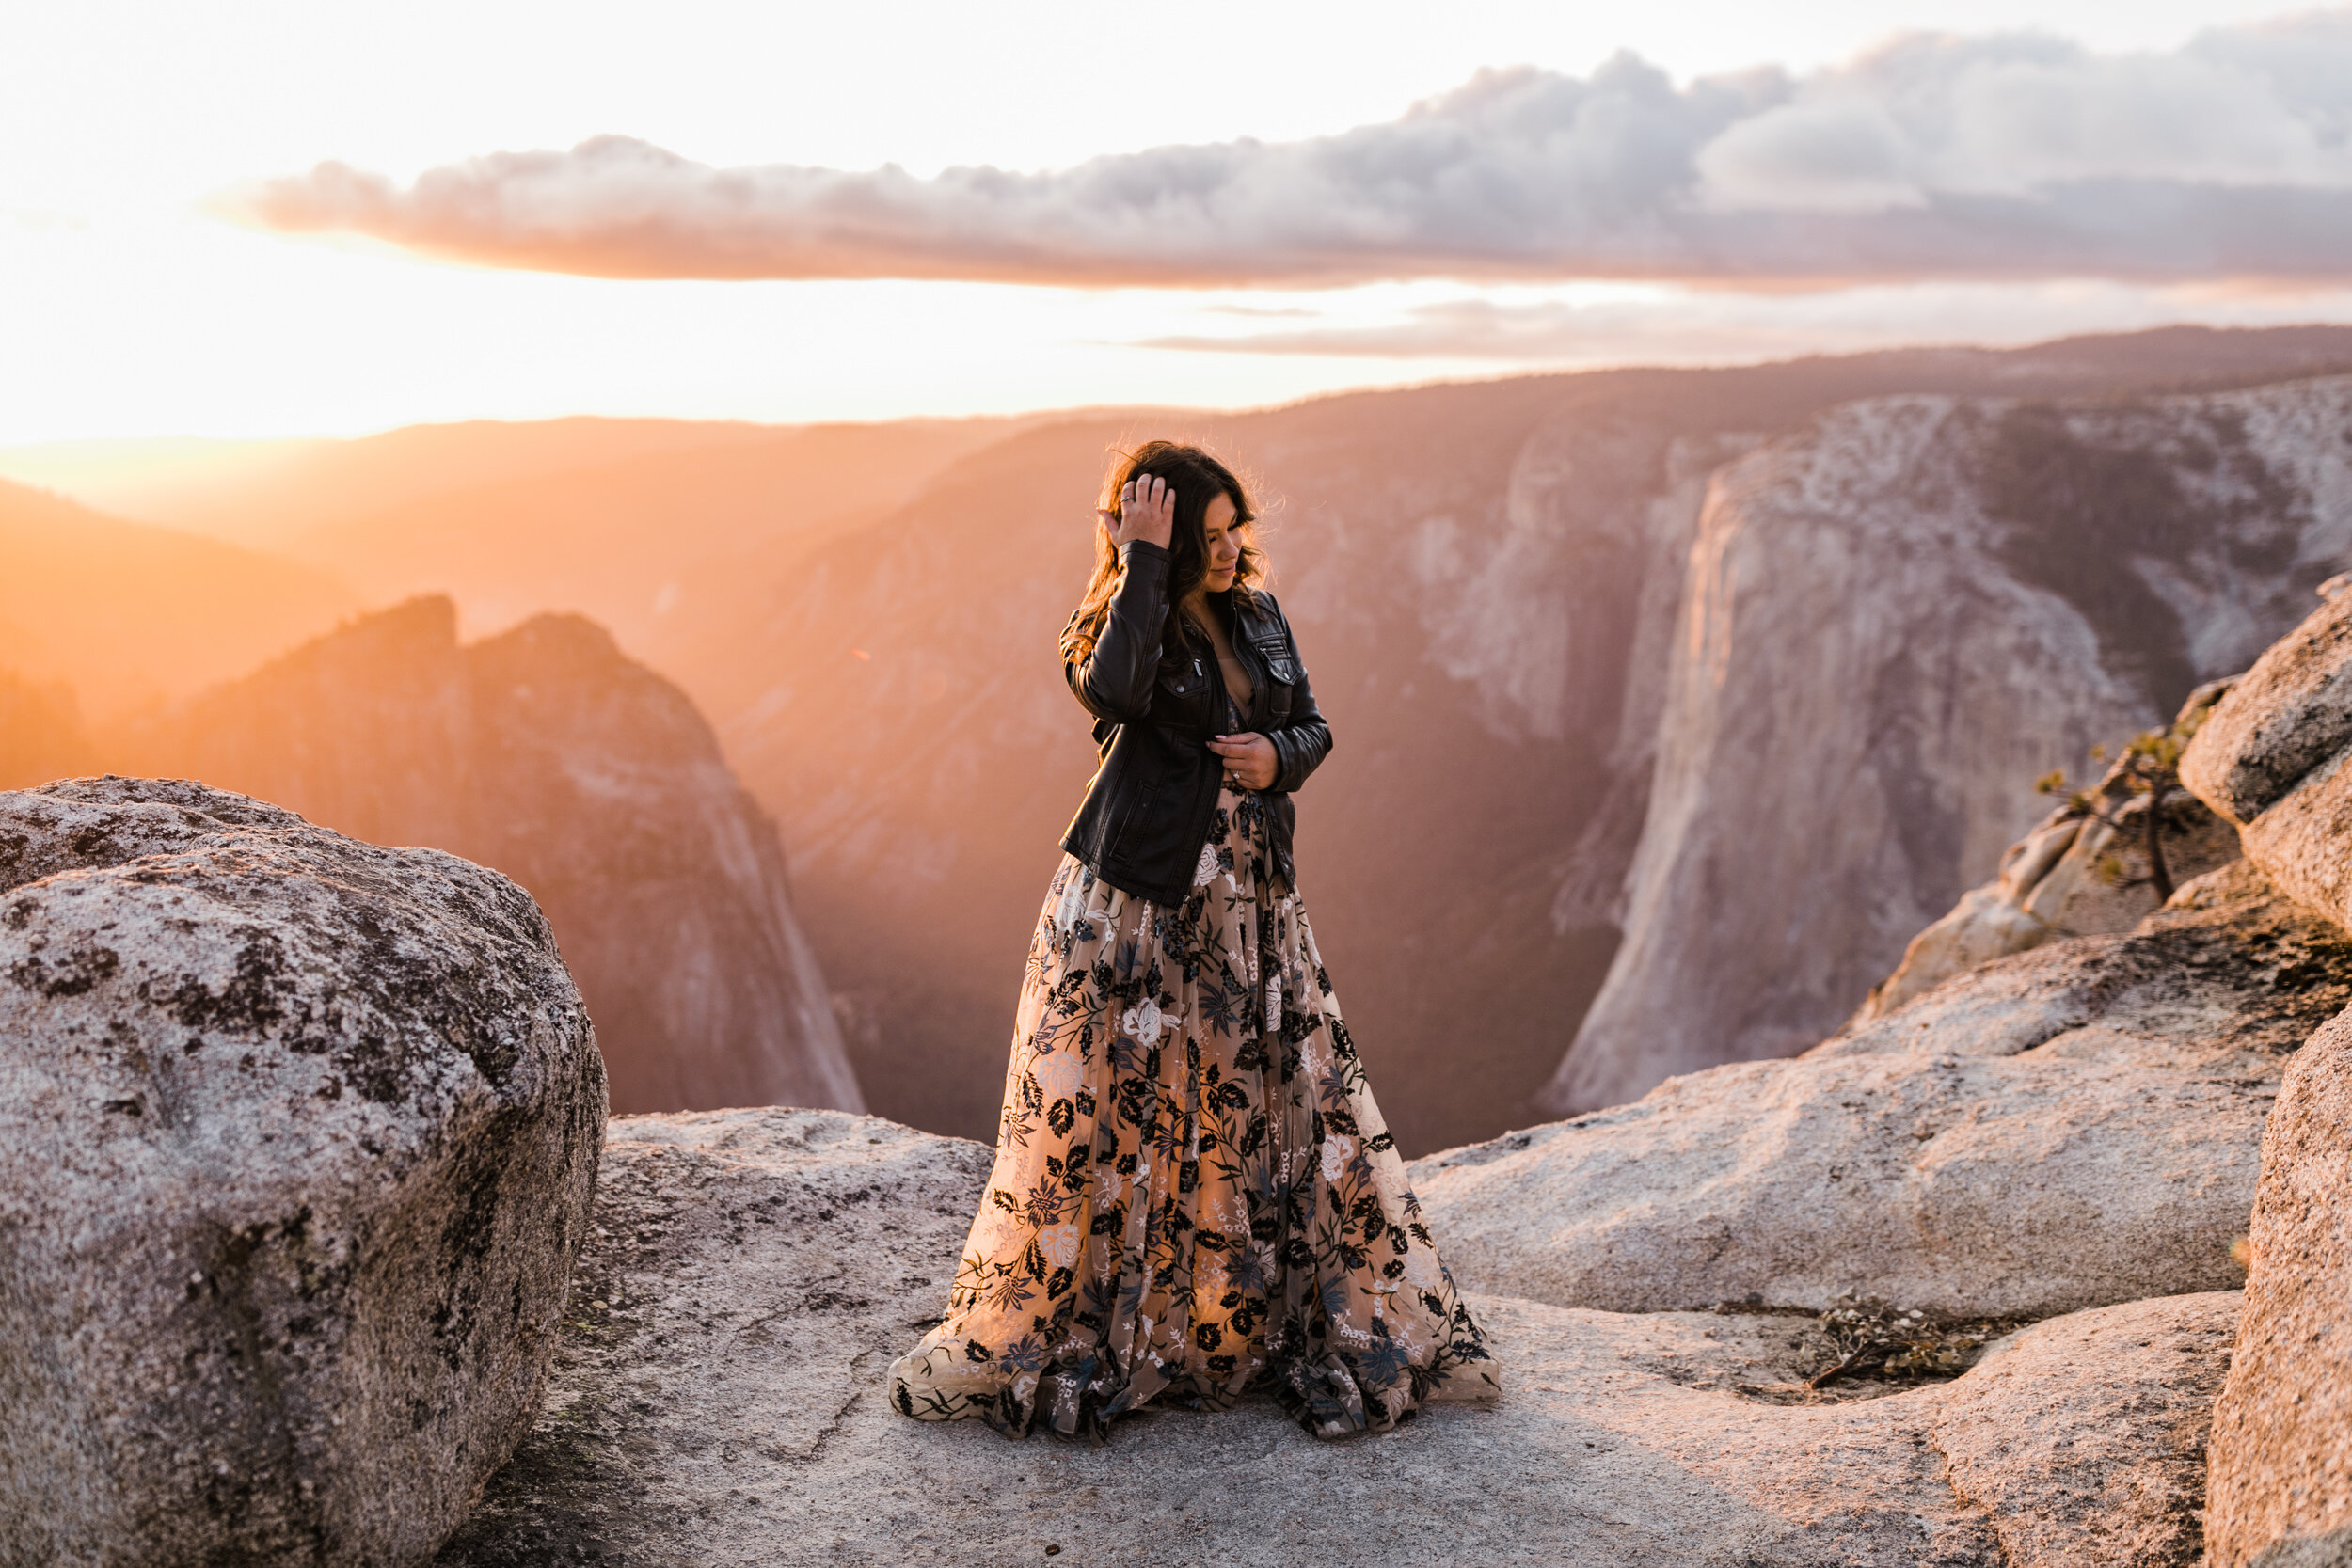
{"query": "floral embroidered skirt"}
[(1194, 1194)]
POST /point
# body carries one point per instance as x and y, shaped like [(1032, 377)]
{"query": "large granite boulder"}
[(719, 1399), (2074, 1126), (2285, 716), (2271, 760), (2083, 1438), (297, 1140), (2282, 1430)]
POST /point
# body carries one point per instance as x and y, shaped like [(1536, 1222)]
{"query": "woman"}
[(1194, 1194)]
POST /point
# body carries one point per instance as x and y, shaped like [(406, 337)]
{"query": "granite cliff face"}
[(2087, 869), (1898, 617), (548, 755)]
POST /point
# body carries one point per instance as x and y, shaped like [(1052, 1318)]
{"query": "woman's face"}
[(1224, 541)]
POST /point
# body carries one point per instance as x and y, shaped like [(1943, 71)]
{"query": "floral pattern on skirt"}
[(1194, 1194)]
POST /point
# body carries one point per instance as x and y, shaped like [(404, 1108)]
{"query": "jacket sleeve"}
[(1114, 681), (1304, 739)]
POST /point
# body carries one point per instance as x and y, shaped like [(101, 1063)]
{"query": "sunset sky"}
[(806, 211)]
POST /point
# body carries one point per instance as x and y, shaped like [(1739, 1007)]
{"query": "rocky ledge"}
[(2074, 1126), (718, 1399), (299, 1141), (1958, 1286)]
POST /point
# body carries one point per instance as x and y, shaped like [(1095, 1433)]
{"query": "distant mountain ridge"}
[(40, 734), (128, 614), (260, 494), (276, 494), (651, 545), (545, 753)]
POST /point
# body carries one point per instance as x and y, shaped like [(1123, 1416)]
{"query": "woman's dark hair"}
[(1198, 478)]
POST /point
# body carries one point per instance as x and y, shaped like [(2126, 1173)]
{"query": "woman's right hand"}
[(1147, 511)]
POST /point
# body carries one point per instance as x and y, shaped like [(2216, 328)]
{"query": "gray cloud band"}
[(1932, 157)]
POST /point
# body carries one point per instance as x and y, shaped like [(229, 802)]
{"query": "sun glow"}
[(128, 306)]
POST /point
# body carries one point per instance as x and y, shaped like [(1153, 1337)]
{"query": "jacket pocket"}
[(1129, 834), (1182, 692), (1281, 676)]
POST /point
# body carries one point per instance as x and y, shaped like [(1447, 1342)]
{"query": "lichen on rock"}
[(297, 1137)]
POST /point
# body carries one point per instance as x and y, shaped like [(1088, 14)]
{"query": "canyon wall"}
[(544, 752), (1899, 616), (1958, 1285), (1485, 579)]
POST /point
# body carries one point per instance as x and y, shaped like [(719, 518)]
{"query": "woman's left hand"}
[(1249, 759)]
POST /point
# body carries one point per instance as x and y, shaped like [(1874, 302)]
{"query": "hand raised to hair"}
[(1147, 511)]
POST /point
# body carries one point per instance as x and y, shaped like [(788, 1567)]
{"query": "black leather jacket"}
[(1146, 810)]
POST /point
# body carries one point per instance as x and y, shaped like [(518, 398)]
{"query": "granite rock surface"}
[(2076, 874), (2275, 762), (2272, 758), (297, 1141), (2281, 1488), (2083, 1438), (719, 1399), (2066, 1128), (2286, 716)]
